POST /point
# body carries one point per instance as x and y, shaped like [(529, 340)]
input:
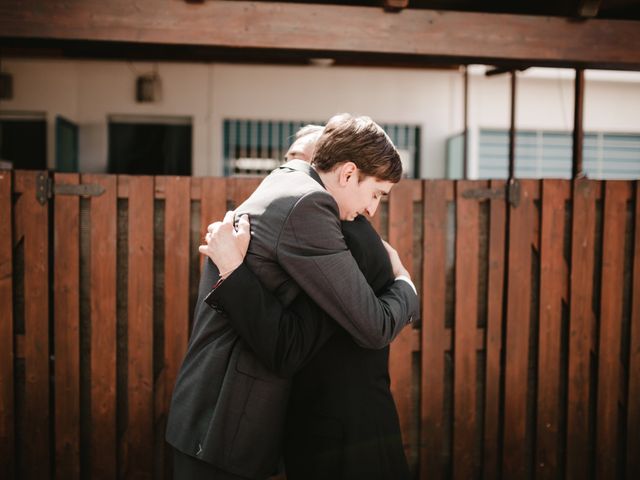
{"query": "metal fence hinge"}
[(46, 188), (511, 191)]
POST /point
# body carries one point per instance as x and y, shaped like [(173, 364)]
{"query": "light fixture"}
[(322, 62), (6, 86), (148, 88)]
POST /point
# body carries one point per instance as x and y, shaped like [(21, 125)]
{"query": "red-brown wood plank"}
[(553, 292), (138, 456), (241, 188), (633, 414), (176, 274), (213, 204), (33, 218), (493, 347), (7, 414), (609, 365), (103, 216), (521, 238), (66, 312), (465, 422), (400, 362), (435, 336), (581, 321)]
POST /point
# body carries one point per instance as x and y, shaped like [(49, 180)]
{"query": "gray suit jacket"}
[(227, 408)]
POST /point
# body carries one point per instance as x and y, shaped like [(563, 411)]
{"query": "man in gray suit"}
[(227, 413)]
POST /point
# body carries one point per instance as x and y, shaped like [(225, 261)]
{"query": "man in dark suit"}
[(228, 410), (341, 420)]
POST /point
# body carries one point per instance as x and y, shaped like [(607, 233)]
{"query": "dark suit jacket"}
[(227, 408), (342, 421)]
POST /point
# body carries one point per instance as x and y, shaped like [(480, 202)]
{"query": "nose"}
[(373, 206)]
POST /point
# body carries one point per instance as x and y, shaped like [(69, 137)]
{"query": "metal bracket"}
[(46, 188), (511, 191)]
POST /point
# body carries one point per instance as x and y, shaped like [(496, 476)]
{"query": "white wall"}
[(88, 92), (428, 98)]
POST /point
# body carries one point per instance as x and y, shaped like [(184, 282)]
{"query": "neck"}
[(329, 180)]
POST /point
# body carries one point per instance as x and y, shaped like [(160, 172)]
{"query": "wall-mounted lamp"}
[(148, 88), (322, 62), (6, 86)]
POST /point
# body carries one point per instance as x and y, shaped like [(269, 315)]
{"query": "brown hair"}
[(359, 140)]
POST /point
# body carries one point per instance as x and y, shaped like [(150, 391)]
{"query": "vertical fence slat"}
[(7, 433), (176, 273), (609, 365), (493, 347), (435, 336), (138, 457), (633, 416), (522, 228), (553, 292), (102, 294), (581, 319), (465, 331), (34, 221), (239, 189), (66, 304), (400, 362)]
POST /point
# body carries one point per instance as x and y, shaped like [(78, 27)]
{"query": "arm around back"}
[(283, 339), (311, 248)]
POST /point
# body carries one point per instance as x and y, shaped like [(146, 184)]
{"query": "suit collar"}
[(304, 167)]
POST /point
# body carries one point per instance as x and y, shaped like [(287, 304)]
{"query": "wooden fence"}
[(526, 364)]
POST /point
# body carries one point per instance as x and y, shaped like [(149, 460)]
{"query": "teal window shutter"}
[(255, 147)]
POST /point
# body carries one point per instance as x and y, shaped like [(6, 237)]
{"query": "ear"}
[(348, 171)]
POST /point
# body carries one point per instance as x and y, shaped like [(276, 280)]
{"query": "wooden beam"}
[(435, 35)]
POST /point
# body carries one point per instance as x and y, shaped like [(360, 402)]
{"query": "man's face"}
[(357, 198), (302, 148)]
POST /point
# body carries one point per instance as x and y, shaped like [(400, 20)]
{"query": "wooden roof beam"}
[(456, 37)]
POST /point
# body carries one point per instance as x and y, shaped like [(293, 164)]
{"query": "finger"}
[(243, 224), (229, 217), (202, 249), (215, 227)]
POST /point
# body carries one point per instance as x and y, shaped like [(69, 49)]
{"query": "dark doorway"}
[(150, 146), (23, 141)]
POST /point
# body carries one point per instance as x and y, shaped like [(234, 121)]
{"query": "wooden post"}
[(512, 128), (466, 123), (578, 131)]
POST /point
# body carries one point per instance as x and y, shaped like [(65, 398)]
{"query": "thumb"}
[(203, 249)]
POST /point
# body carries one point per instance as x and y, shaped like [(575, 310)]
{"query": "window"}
[(541, 154), (23, 141), (255, 147), (150, 145)]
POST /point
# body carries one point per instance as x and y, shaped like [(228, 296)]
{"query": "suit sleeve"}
[(311, 248), (283, 339)]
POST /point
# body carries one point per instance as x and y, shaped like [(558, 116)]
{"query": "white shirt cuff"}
[(408, 280)]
